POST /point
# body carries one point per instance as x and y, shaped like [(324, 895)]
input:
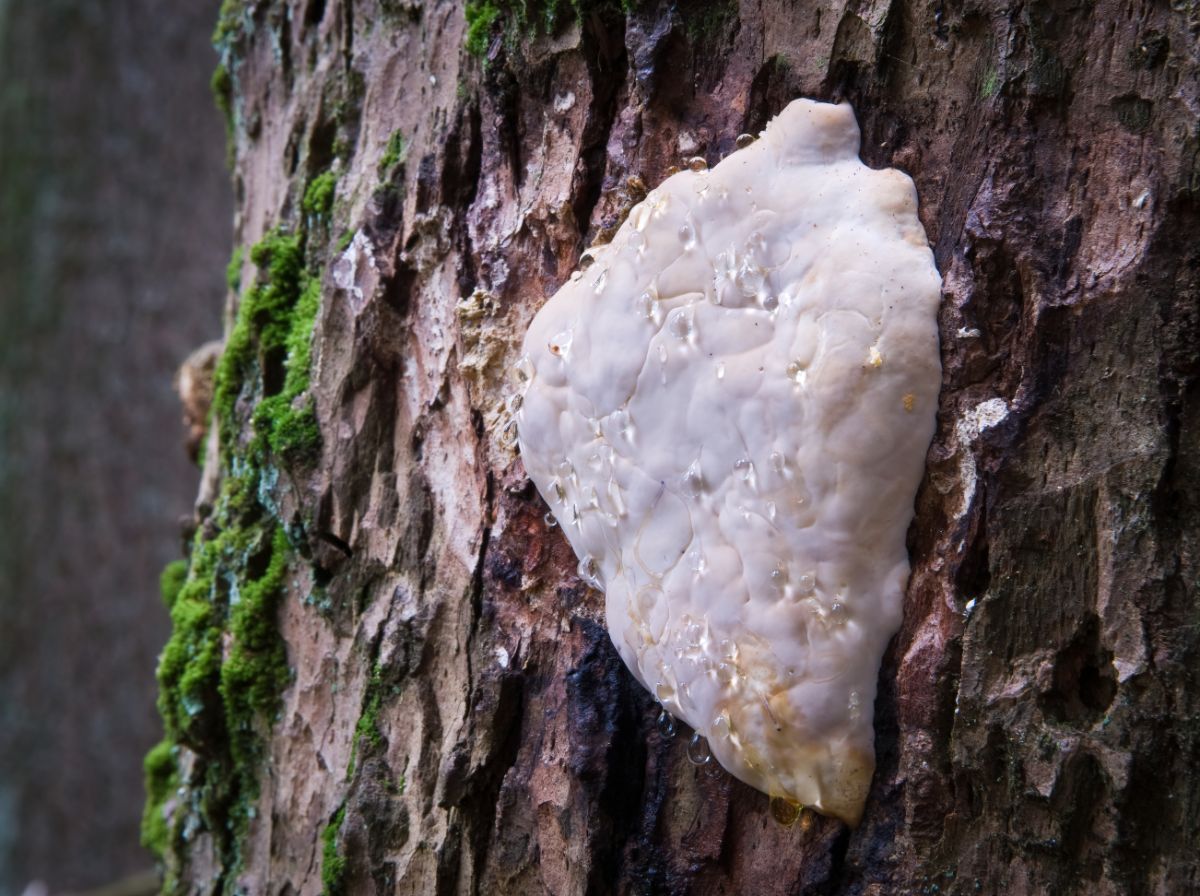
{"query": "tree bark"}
[(454, 718)]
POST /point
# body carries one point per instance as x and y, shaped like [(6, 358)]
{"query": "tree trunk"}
[(385, 674)]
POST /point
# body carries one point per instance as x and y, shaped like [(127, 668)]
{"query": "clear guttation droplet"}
[(687, 235), (666, 724), (524, 369), (550, 521), (806, 584), (697, 163), (560, 345), (744, 140), (746, 467), (589, 571), (750, 279), (697, 750), (785, 812), (681, 325), (720, 726)]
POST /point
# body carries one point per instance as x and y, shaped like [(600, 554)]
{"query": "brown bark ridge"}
[(456, 720)]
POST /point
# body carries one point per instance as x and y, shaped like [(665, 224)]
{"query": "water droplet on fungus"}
[(589, 571), (687, 236), (560, 345), (784, 811), (720, 727), (524, 369), (697, 750), (693, 480)]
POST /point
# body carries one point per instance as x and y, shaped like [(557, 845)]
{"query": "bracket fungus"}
[(728, 412)]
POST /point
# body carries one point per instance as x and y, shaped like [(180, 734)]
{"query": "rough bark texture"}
[(115, 215), (456, 720)]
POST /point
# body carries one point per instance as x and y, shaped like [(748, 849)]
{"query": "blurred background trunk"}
[(115, 216), (385, 675)]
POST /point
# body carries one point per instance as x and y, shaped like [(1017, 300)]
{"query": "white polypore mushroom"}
[(728, 413)]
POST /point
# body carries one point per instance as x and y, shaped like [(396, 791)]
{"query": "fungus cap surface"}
[(728, 412)]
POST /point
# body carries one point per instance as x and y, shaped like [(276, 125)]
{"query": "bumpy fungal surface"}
[(728, 412)]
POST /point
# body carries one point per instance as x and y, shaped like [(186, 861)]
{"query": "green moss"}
[(264, 333), (274, 327), (190, 663), (223, 670), (991, 84), (528, 18), (392, 153), (230, 22), (222, 91), (170, 581), (706, 22), (333, 864), (288, 420), (233, 271), (292, 430), (345, 240), (255, 671), (318, 195), (162, 780), (480, 18), (368, 721)]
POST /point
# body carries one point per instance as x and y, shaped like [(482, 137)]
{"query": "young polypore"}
[(728, 413)]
